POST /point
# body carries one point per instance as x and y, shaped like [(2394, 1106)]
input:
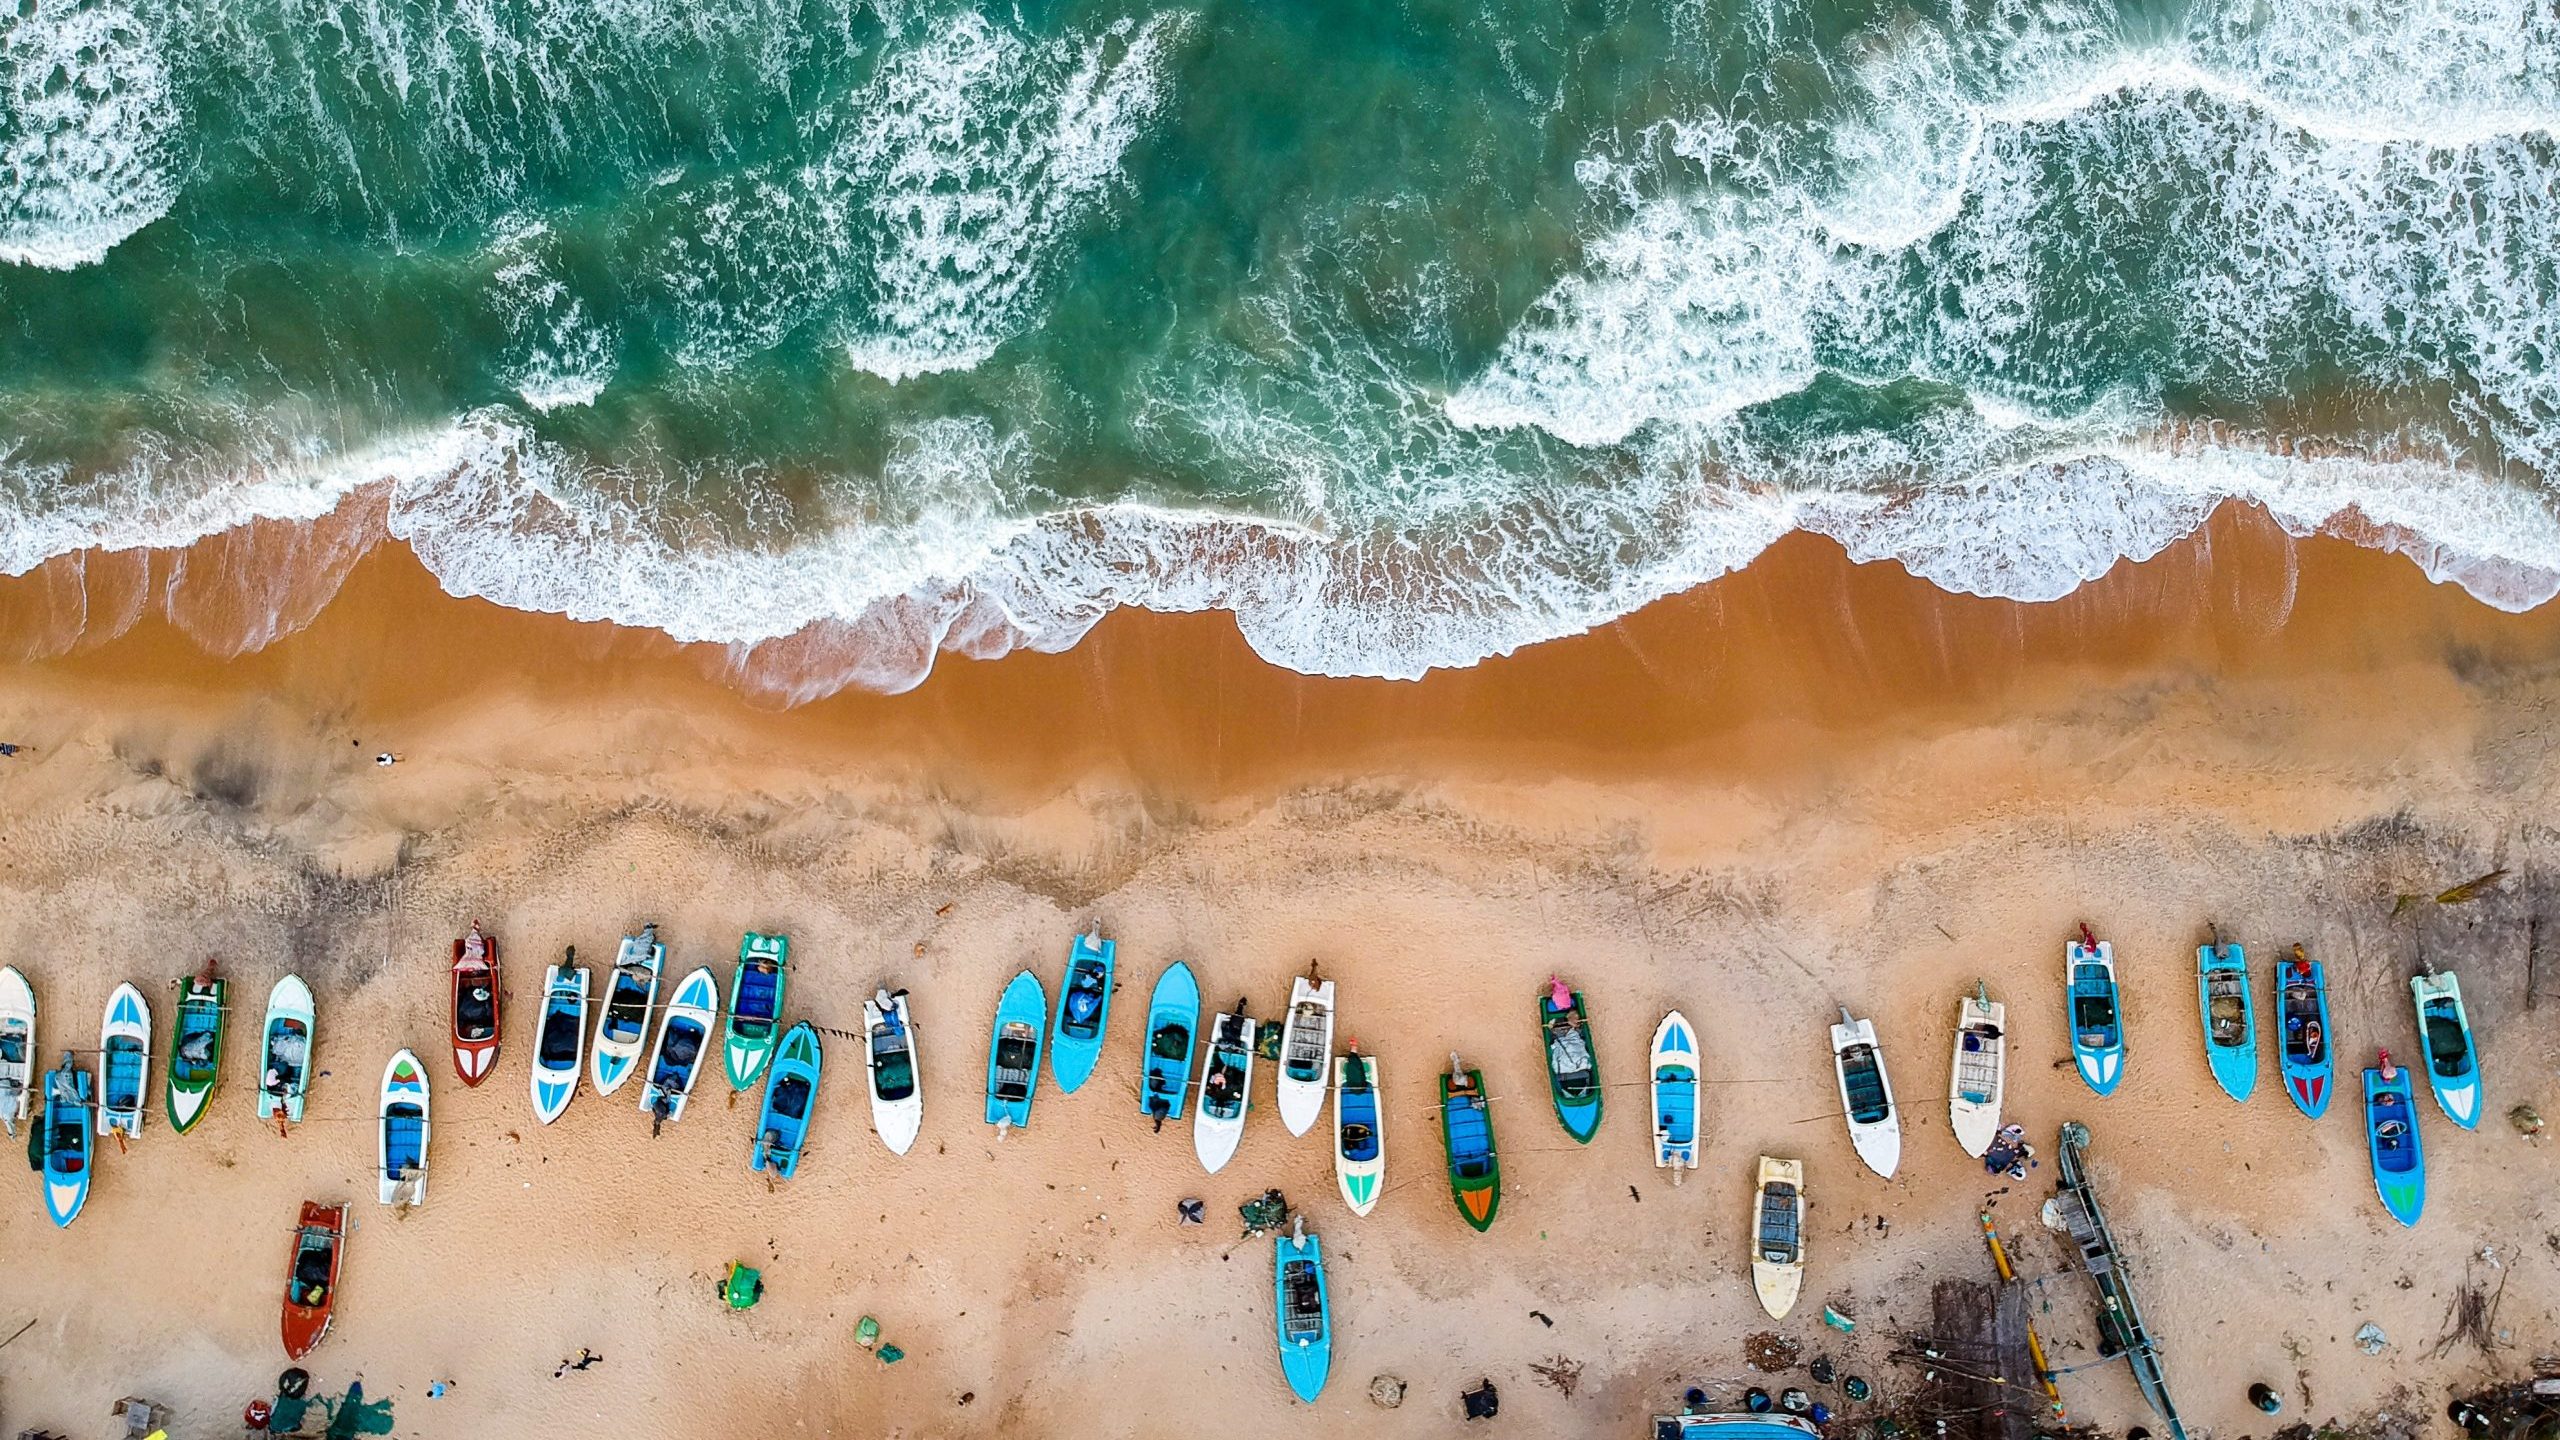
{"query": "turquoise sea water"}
[(1412, 332)]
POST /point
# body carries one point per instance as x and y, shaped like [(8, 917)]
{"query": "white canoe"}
[(285, 1050), (1777, 1235), (1674, 1069), (1866, 1094), (685, 1037), (560, 1040), (17, 1047), (1979, 1073), (889, 1069), (124, 1061), (630, 994), (1359, 1132), (1306, 1054), (1226, 1080), (400, 1132)]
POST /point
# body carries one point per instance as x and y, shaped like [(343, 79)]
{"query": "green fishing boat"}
[(1573, 1070), (195, 1050), (755, 1007), (1466, 1129)]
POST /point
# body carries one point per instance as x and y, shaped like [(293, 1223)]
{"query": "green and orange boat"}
[(1466, 1128)]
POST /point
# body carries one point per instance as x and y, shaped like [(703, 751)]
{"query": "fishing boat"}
[(475, 1005), (684, 1033), (400, 1134), (284, 1052), (1226, 1080), (2391, 1141), (1305, 1314), (2444, 1037), (790, 1093), (889, 1069), (1980, 1071), (630, 994), (1359, 1131), (2075, 1204), (2230, 1022), (1466, 1130), (755, 1007), (1306, 1054), (1084, 1010), (1573, 1067), (1675, 1095), (195, 1049), (124, 1062), (17, 1047), (1173, 1032), (68, 1099), (1739, 1426), (1866, 1094), (311, 1276), (1013, 1052), (2097, 1019), (2302, 1014), (1777, 1250), (560, 1048)]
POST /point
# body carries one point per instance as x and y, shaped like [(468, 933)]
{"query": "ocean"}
[(1411, 333)]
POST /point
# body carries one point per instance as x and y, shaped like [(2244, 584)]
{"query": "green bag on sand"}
[(891, 1354)]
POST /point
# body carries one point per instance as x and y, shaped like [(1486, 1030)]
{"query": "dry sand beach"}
[(1810, 785)]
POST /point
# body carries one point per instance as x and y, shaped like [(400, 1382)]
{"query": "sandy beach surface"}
[(1811, 785)]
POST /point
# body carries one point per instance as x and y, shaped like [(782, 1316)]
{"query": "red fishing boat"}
[(311, 1279), (475, 1006)]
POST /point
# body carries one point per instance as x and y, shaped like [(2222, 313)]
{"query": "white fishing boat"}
[(1306, 1054), (1777, 1248), (630, 995), (1980, 1071), (1866, 1094), (18, 1082), (285, 1050), (1225, 1081), (560, 1047), (124, 1062), (684, 1032), (1675, 1095), (400, 1134), (889, 1061)]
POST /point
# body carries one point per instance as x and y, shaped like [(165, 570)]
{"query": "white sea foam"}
[(86, 119), (562, 356)]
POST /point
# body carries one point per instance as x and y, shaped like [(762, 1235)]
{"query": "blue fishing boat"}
[(2097, 1016), (1305, 1316), (560, 1045), (124, 1062), (2230, 1022), (2302, 1019), (1173, 1032), (1084, 1008), (68, 1108), (2444, 1036), (1573, 1069), (2391, 1139), (790, 1093), (1013, 1051)]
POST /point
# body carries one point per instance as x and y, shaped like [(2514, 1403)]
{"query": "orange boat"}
[(311, 1280), (475, 1006)]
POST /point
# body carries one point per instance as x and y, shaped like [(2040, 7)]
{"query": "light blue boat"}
[(1013, 1051), (2444, 1036), (68, 1111), (1173, 1033), (1305, 1312), (2391, 1139), (790, 1094), (2302, 1042), (2230, 1021), (2097, 1014), (1084, 1009)]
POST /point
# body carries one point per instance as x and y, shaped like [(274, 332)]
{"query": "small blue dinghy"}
[(2444, 1035), (69, 1109), (1173, 1032), (2302, 1019), (2097, 1014), (2391, 1139), (1305, 1314), (2230, 1023), (1013, 1051), (1084, 1008), (790, 1093)]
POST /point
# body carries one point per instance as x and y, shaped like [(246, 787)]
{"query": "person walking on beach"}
[(586, 1357)]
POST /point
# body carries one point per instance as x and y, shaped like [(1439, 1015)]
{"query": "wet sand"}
[(1809, 785)]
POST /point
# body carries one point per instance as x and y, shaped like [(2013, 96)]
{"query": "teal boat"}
[(1305, 1311), (2444, 1037), (2302, 1019), (1013, 1052), (1573, 1069), (1173, 1033), (2391, 1141), (2097, 1013), (790, 1096), (1084, 1009), (755, 1007), (2230, 1022), (69, 1108)]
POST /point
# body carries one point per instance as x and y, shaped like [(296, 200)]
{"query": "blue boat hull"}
[(2445, 1042), (798, 1061), (2096, 1017), (1026, 1004), (1176, 1002), (65, 1191), (2235, 1064), (2307, 1081), (2392, 1145), (1075, 1041), (1305, 1360)]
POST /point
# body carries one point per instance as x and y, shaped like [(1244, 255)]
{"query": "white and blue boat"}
[(1173, 1033), (285, 1051), (2391, 1140), (1359, 1131), (124, 1062), (2302, 1021), (68, 1099), (2097, 1012), (630, 994), (1305, 1311), (1013, 1052), (2444, 1037), (1084, 1009), (560, 1044), (400, 1149), (1226, 1082), (889, 1069), (790, 1094), (684, 1033), (1675, 1095), (2230, 1021)]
